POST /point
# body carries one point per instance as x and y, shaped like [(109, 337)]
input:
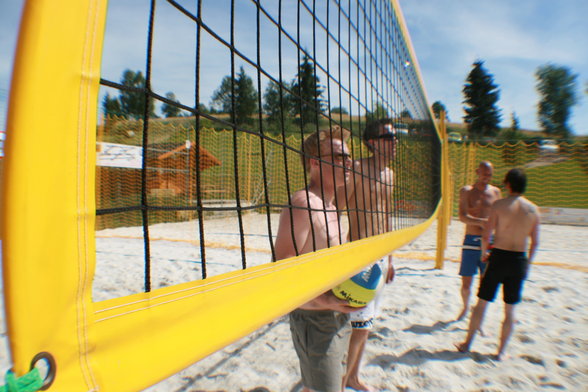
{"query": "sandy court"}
[(411, 345)]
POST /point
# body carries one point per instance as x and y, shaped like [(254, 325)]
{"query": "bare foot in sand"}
[(502, 357), (462, 347), (357, 385), (462, 314)]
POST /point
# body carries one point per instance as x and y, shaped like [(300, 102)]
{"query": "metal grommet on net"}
[(49, 369)]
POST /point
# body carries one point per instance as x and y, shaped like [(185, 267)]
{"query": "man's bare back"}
[(515, 219)]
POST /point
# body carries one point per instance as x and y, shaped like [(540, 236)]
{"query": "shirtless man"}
[(474, 209), (513, 220), (320, 328), (369, 202)]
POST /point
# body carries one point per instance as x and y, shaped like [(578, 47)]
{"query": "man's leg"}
[(356, 348), (507, 327), (475, 323), (466, 290)]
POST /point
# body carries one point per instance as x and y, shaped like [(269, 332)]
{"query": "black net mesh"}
[(205, 106)]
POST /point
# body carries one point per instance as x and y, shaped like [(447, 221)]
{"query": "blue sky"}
[(512, 37)]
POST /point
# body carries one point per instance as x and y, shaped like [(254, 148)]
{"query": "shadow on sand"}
[(427, 329), (418, 356)]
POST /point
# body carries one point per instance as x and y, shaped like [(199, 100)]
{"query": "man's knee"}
[(509, 313), (466, 283), (360, 332)]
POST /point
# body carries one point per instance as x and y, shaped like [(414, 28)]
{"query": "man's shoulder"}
[(499, 203), (466, 188), (531, 207), (303, 198), (300, 197), (362, 166)]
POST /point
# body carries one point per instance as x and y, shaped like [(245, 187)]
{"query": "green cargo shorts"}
[(321, 340)]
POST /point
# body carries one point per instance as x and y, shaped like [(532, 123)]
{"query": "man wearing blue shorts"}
[(474, 208)]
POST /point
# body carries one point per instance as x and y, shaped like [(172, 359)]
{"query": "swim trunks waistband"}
[(472, 242), (509, 252)]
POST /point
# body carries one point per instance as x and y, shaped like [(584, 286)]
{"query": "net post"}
[(443, 218)]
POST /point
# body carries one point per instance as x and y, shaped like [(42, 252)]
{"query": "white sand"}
[(411, 347)]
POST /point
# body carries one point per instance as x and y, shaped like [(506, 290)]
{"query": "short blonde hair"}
[(310, 146)]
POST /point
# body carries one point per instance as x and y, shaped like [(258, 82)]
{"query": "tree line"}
[(557, 89), (301, 102), (288, 105), (302, 98)]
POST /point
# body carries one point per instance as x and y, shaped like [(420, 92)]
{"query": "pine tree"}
[(221, 98), (245, 99), (514, 122), (111, 106), (511, 152), (481, 94), (512, 134), (378, 113), (405, 115), (307, 91), (437, 107), (557, 90), (132, 102), (170, 110), (273, 106)]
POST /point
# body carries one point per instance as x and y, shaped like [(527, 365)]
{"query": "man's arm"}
[(294, 228), (498, 192), (534, 238), (391, 270), (463, 209), (328, 301), (297, 227), (487, 233)]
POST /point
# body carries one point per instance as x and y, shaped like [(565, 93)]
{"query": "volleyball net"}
[(142, 199)]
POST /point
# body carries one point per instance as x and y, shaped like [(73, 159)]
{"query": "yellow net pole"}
[(48, 190), (444, 215)]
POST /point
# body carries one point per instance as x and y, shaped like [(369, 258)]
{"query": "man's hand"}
[(485, 257), (328, 301), (391, 274), (332, 302)]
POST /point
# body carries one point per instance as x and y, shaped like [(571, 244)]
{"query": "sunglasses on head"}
[(339, 157)]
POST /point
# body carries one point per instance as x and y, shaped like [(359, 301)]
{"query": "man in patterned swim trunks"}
[(513, 220), (474, 207)]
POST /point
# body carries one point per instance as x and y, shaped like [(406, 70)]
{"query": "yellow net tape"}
[(48, 218)]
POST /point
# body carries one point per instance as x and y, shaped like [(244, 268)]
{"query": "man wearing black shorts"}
[(513, 220)]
